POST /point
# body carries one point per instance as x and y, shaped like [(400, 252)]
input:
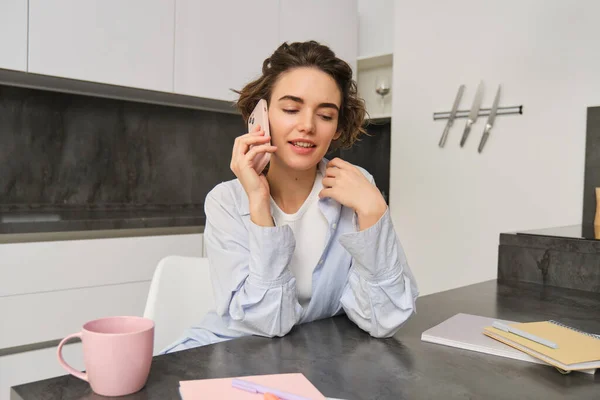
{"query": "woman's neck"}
[(289, 188)]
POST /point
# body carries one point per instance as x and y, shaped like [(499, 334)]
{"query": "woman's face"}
[(303, 115)]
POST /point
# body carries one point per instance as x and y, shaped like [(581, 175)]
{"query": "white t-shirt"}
[(310, 230)]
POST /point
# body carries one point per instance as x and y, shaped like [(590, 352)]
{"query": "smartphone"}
[(260, 116)]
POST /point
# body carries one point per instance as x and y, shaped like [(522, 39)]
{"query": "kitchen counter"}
[(564, 256), (42, 224)]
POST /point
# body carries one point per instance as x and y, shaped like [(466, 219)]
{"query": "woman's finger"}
[(253, 133), (234, 150), (239, 142), (327, 192), (251, 139), (339, 163), (328, 182), (333, 172), (248, 141), (263, 148)]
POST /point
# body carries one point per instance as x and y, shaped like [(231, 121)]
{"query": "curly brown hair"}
[(315, 55)]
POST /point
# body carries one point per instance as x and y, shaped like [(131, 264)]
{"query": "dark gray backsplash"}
[(592, 165), (59, 149), (65, 149), (372, 152)]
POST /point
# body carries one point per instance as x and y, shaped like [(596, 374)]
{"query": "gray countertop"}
[(64, 224), (579, 238), (343, 361), (564, 256)]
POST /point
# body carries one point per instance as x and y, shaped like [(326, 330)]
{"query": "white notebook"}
[(465, 331)]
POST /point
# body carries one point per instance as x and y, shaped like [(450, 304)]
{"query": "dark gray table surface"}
[(342, 361)]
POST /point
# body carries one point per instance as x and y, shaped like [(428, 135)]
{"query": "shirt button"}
[(334, 225), (321, 262)]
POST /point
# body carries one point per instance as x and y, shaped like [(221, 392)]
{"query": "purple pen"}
[(256, 388)]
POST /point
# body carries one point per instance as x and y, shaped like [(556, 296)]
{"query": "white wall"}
[(375, 27), (449, 205), (366, 83)]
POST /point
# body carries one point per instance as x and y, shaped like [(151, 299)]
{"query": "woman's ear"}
[(337, 135)]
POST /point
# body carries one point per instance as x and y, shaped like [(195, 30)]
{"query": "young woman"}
[(310, 238)]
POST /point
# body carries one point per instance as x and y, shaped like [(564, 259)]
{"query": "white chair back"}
[(180, 295)]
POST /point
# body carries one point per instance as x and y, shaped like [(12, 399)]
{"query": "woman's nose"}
[(306, 122)]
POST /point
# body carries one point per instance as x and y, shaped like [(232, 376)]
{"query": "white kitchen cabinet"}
[(126, 43), (38, 267), (220, 45), (17, 369), (13, 34), (40, 317), (49, 289), (331, 22), (199, 48)]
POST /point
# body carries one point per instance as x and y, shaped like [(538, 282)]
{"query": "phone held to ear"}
[(260, 116)]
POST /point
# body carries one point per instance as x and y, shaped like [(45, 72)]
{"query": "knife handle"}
[(444, 135), (484, 138), (466, 133)]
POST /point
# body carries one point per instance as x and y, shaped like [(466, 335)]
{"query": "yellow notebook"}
[(576, 350)]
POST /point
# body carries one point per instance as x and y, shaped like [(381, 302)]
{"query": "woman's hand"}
[(255, 185), (345, 183)]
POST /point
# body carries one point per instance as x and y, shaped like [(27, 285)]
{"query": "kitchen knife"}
[(473, 114), (461, 89), (490, 122)]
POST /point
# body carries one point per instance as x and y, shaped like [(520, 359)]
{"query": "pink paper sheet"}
[(221, 389)]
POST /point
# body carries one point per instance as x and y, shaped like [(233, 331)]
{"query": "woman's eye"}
[(290, 111), (326, 117)]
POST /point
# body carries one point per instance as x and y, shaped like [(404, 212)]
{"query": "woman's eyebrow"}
[(301, 101)]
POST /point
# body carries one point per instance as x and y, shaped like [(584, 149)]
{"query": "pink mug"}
[(117, 353)]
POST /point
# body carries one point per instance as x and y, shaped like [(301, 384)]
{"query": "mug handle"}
[(63, 363)]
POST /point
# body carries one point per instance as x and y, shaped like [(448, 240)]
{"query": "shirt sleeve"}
[(381, 291), (251, 281)]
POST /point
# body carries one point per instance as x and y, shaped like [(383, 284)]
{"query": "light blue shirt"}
[(362, 273)]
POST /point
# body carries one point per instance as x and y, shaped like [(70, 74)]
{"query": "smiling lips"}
[(301, 143), (302, 146)]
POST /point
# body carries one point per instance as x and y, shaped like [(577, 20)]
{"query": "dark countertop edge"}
[(27, 237), (580, 245), (518, 238), (86, 224), (79, 223)]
